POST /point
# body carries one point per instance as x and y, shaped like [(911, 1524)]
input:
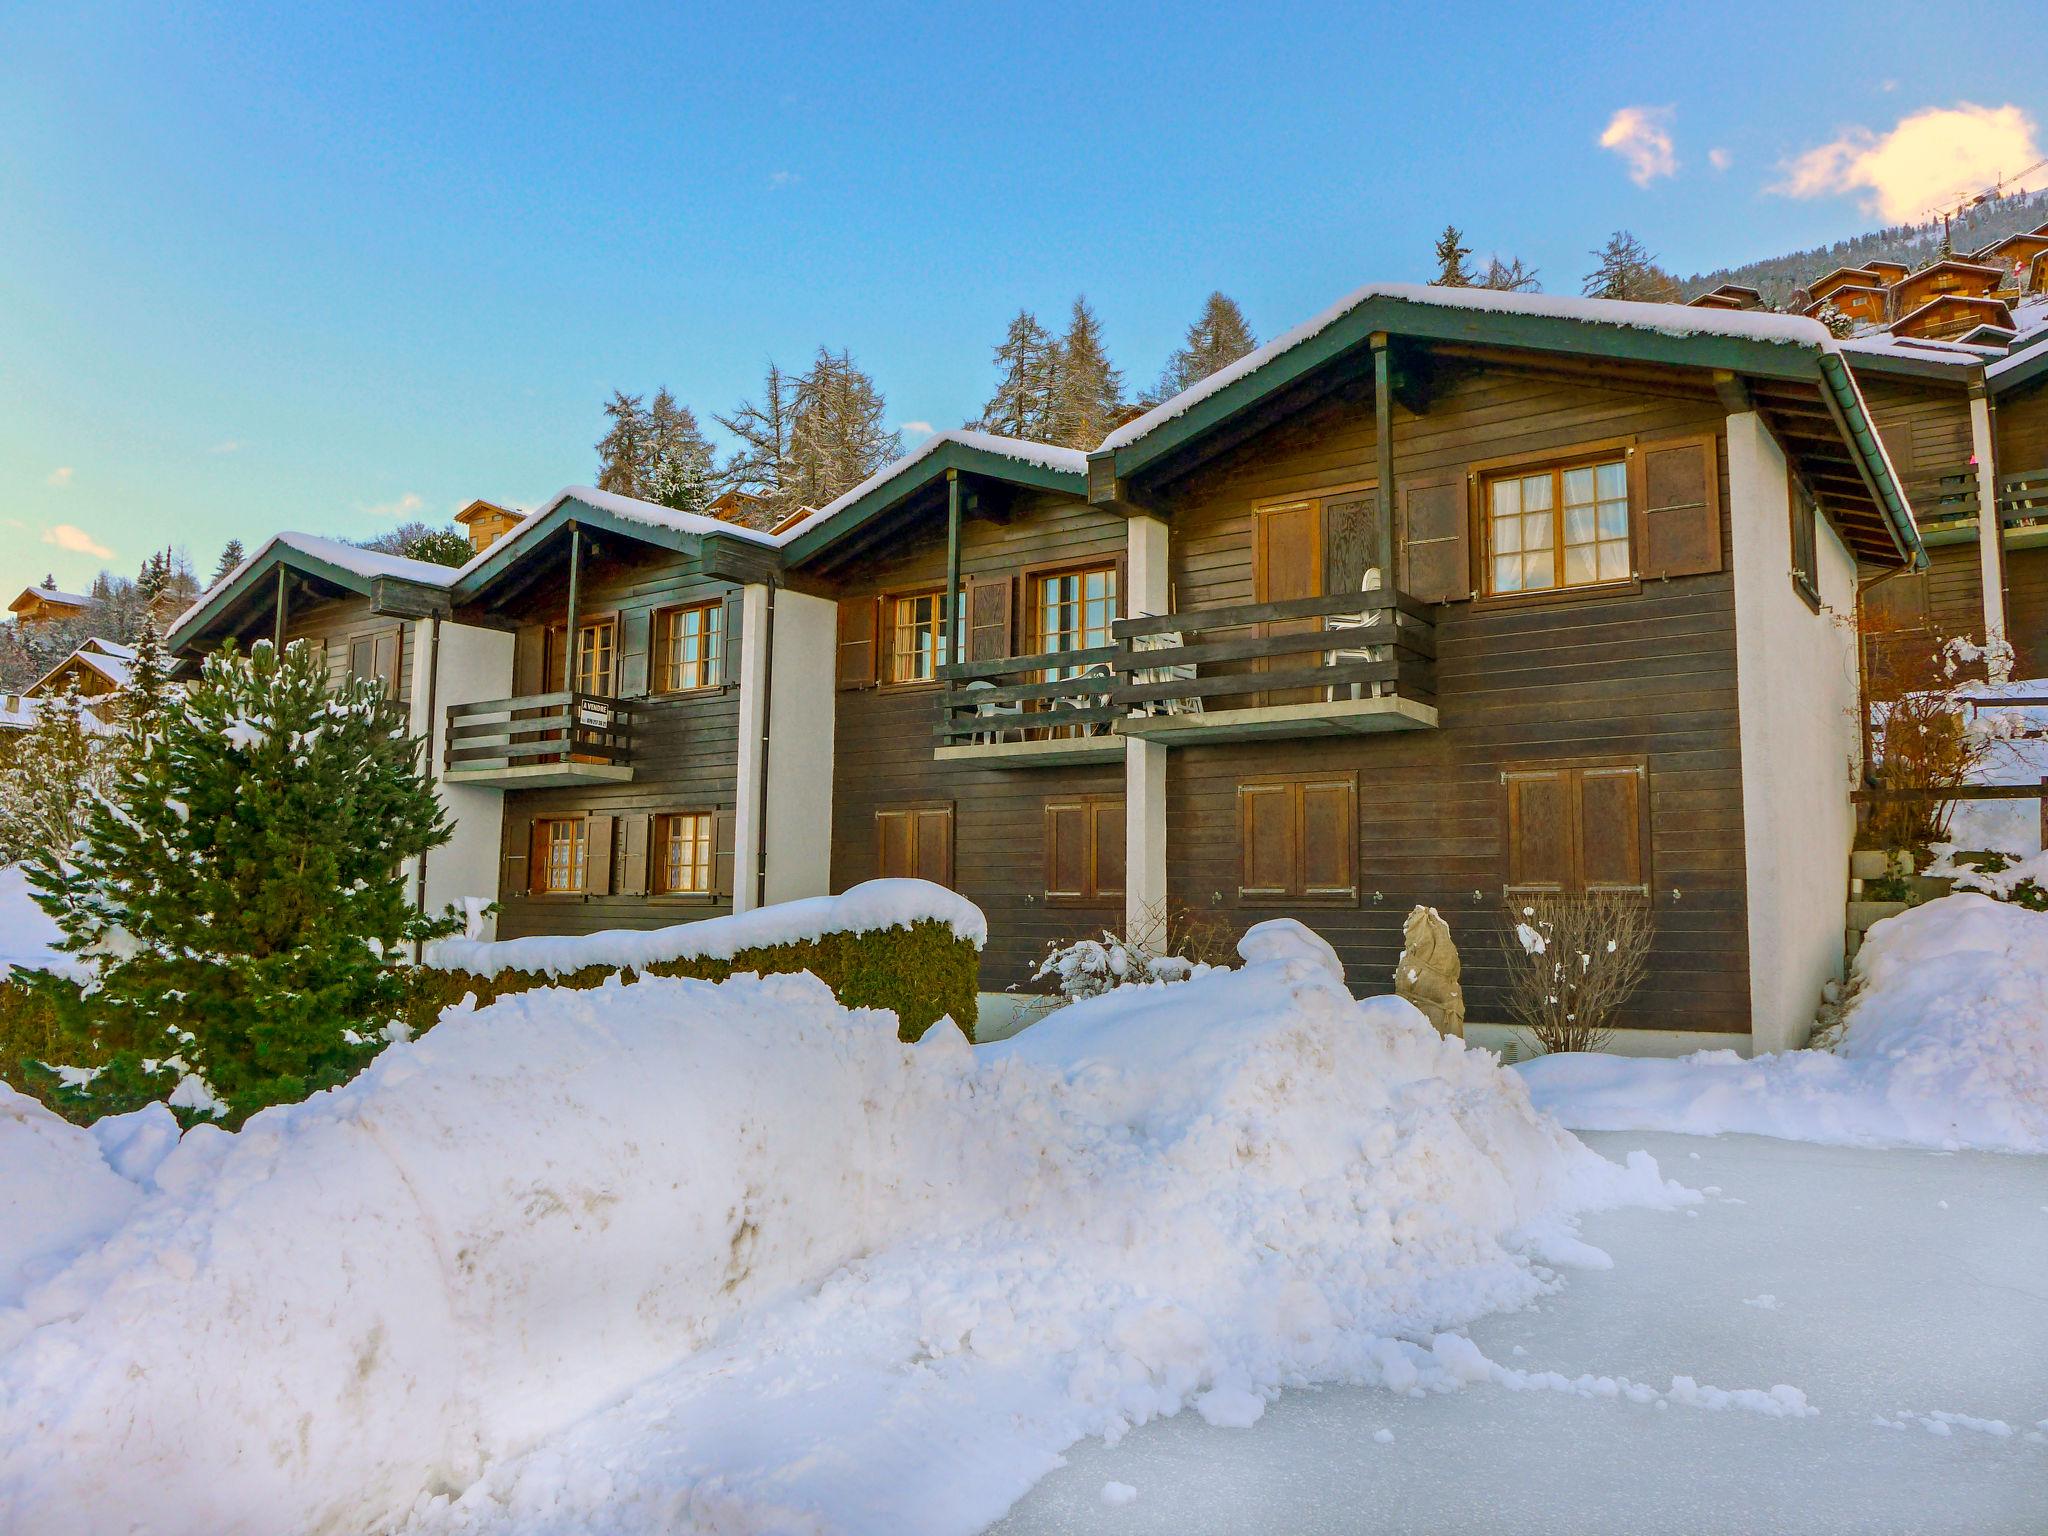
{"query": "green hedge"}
[(921, 973)]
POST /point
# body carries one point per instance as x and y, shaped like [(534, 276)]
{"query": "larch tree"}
[(1451, 251), (1628, 269), (1090, 392), (678, 471), (1218, 338), (622, 451), (761, 464), (838, 430), (1510, 276), (1026, 377)]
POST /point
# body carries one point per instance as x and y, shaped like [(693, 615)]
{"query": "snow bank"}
[(685, 1255), (872, 905), (28, 934), (1945, 1044)]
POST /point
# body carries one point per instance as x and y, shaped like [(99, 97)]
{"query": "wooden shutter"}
[(515, 841), (1679, 525), (1610, 829), (1288, 558), (597, 856), (362, 659), (1266, 825), (724, 837), (1066, 850), (729, 639), (934, 845), (1435, 541), (529, 660), (857, 647), (989, 608), (384, 659), (635, 648), (634, 834), (1539, 829), (1106, 843), (537, 865), (895, 856), (1805, 537), (1351, 543), (1326, 839)]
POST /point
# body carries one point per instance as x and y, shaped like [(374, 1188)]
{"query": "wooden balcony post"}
[(1383, 443), (571, 641), (277, 628), (951, 617)]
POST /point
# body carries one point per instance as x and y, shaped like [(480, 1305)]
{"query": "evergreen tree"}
[(56, 770), (1216, 340), (1451, 251), (147, 693), (679, 460), (445, 545), (622, 451), (1628, 270), (761, 464), (1090, 393), (838, 432), (236, 890), (230, 557), (1022, 405)]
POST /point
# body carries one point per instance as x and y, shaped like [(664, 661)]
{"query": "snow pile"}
[(1945, 1044), (29, 935), (685, 1255), (864, 908)]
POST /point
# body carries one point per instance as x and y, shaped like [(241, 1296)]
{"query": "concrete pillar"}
[(803, 700), (1990, 538), (465, 666), (756, 637), (1149, 592)]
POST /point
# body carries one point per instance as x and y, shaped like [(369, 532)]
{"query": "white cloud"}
[(785, 179), (1720, 159), (1642, 137), (59, 478), (1930, 158), (409, 505), (232, 445), (921, 428), (77, 541)]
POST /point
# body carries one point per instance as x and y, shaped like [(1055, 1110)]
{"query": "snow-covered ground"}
[(28, 935), (1901, 1291)]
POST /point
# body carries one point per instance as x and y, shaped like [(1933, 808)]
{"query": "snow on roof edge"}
[(366, 563), (1024, 450)]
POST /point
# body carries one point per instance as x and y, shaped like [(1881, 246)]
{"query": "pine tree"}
[(230, 557), (1022, 405), (622, 451), (838, 432), (147, 693), (1216, 340), (679, 459), (761, 464), (246, 861), (1628, 270), (1451, 251), (56, 770), (1090, 393)]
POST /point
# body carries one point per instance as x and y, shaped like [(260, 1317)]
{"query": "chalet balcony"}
[(539, 741), (1030, 711), (1945, 501)]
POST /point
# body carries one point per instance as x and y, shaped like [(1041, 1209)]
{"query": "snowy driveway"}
[(1893, 1285)]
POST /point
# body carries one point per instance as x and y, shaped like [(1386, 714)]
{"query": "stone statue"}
[(1427, 974)]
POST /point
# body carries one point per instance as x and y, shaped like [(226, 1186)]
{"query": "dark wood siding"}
[(1646, 673), (883, 750), (2021, 424), (685, 748), (332, 623)]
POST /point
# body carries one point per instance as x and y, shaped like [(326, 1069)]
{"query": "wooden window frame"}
[(1480, 476), (1034, 576), (1092, 893), (1575, 887), (579, 859), (1805, 534), (1297, 894), (569, 678), (396, 634), (713, 667), (885, 636), (657, 856)]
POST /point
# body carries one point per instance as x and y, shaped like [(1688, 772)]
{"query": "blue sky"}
[(321, 268)]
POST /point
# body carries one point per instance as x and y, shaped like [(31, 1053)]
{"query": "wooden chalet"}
[(47, 605), (486, 522), (96, 670)]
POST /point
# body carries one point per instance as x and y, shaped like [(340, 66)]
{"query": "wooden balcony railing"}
[(1055, 695), (2023, 497), (1947, 499), (539, 738)]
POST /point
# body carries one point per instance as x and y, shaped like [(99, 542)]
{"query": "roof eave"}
[(525, 542)]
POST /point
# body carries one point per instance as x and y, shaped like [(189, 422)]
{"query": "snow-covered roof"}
[(109, 648), (50, 595), (115, 669), (367, 564), (1664, 319), (630, 509), (1040, 455)]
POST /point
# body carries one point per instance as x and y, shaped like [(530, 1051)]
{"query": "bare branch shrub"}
[(1922, 732), (1572, 961), (1089, 965)]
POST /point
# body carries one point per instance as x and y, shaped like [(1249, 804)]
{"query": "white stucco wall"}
[(473, 664), (747, 843), (1149, 593), (1796, 678), (798, 840)]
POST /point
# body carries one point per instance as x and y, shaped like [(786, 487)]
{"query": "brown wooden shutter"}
[(635, 633), (1327, 838), (1066, 850), (1678, 528), (724, 837), (634, 834), (515, 848), (1610, 816), (529, 660), (934, 842), (597, 856), (1539, 830), (362, 660), (857, 648), (1805, 539), (1265, 839), (386, 660), (894, 852), (1436, 556), (989, 605), (1106, 841), (537, 865), (1289, 554), (729, 639)]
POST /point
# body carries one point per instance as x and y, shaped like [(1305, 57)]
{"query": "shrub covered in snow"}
[(1091, 967)]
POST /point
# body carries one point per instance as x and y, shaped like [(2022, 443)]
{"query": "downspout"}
[(767, 719), (433, 660)]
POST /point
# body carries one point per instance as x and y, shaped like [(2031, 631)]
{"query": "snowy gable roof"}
[(1016, 461), (115, 669), (33, 595), (345, 565)]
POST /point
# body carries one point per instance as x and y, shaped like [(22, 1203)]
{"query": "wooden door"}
[(1287, 563)]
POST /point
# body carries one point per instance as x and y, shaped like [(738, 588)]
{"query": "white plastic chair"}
[(1178, 673), (1337, 623), (990, 711)]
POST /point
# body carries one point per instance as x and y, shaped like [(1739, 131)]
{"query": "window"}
[(689, 643), (375, 658), (915, 623), (1298, 839), (1564, 526), (559, 848), (1577, 829), (1805, 557), (1072, 610), (683, 852), (596, 658), (915, 842), (1084, 850)]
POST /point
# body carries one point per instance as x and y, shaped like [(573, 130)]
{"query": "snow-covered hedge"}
[(906, 945), (794, 1273)]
